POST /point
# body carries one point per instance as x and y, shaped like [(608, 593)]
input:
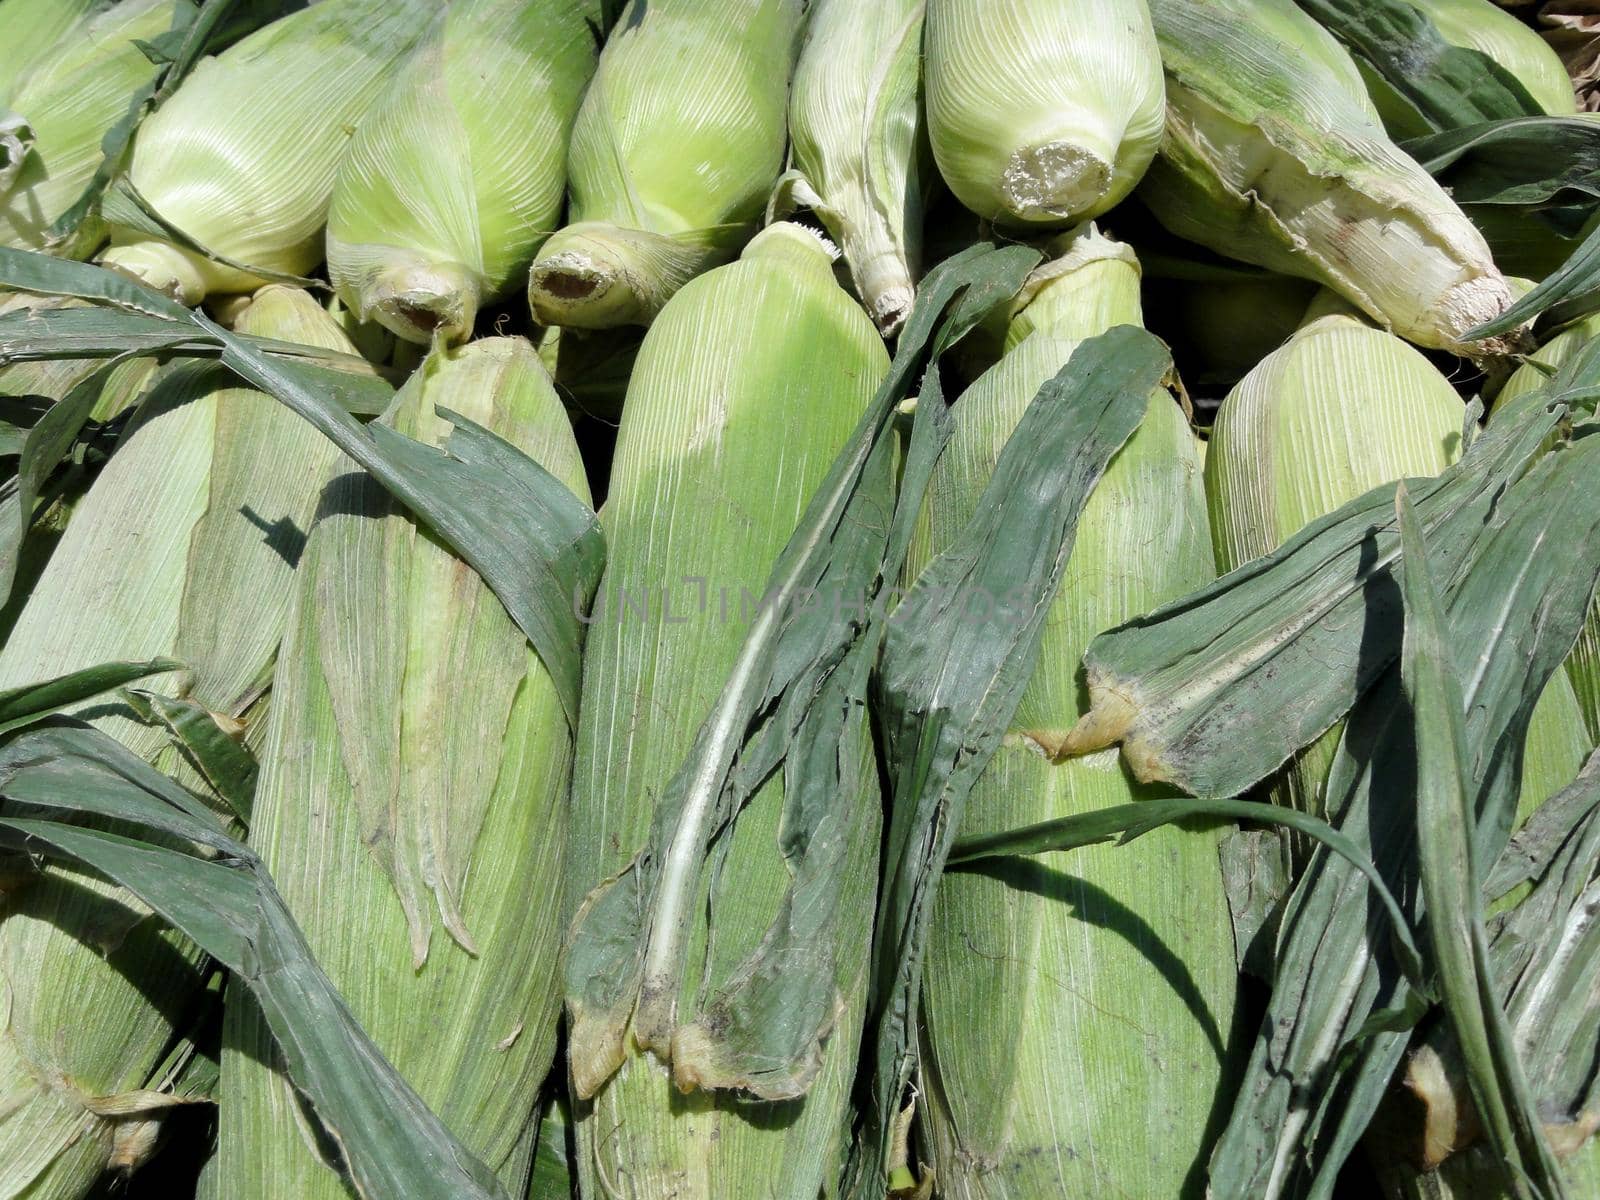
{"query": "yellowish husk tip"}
[(159, 265)]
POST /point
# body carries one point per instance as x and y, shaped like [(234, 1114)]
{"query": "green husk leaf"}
[(221, 758), (1449, 873), (392, 1144), (542, 565), (949, 685), (628, 939), (1214, 692), (1517, 161), (21, 706), (1332, 1037), (1449, 85)]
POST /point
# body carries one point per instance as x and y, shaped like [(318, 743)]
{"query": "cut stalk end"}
[(1054, 181), (424, 303)]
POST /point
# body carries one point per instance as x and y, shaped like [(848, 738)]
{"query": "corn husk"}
[(418, 752), (1273, 155), (855, 118), (30, 29), (1094, 1066), (77, 93), (1479, 25), (437, 210), (746, 387), (242, 158), (677, 144), (1042, 112), (1341, 408), (184, 547)]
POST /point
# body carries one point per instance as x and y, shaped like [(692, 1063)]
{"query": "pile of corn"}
[(442, 403)]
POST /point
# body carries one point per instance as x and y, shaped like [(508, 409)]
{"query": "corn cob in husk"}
[(77, 93), (1042, 112), (746, 387), (458, 170), (242, 158), (855, 118), (184, 547), (677, 144), (1274, 154), (1339, 409), (419, 753), (1105, 977)]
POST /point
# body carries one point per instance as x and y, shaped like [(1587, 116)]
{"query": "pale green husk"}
[(746, 387), (418, 757), (855, 118), (69, 101), (1273, 154), (1042, 112), (242, 158), (1339, 409), (1480, 25), (185, 548), (677, 144), (458, 171), (29, 30), (1104, 977)]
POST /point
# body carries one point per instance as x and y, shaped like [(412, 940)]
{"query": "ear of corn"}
[(30, 29), (677, 144), (69, 101), (417, 750), (1059, 1058), (1042, 111), (242, 158), (1274, 157), (184, 547), (855, 116), (1479, 25), (1341, 408), (747, 385), (1090, 285), (458, 171)]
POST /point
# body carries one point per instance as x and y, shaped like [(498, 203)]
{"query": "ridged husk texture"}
[(29, 29), (747, 385), (71, 98), (1042, 112), (458, 171), (855, 119), (242, 158), (676, 146), (413, 805), (1276, 157), (1078, 1006), (184, 547)]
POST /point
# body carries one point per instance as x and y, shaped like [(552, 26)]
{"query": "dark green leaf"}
[(1450, 86), (1522, 161), (1449, 875), (20, 706), (1578, 277)]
